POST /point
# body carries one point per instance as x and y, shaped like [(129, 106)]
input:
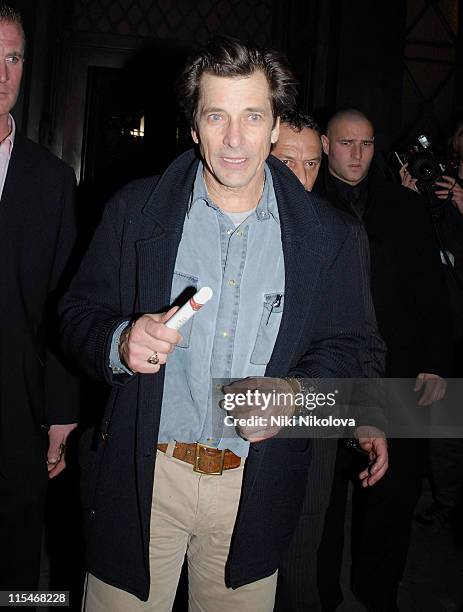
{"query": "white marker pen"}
[(188, 310)]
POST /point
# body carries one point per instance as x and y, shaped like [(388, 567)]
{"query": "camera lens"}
[(426, 170), (424, 167)]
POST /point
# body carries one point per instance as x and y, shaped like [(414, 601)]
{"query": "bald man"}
[(411, 304)]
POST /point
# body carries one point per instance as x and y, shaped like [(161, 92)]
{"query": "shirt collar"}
[(6, 146), (267, 207)]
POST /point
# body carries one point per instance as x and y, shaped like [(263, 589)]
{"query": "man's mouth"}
[(234, 160)]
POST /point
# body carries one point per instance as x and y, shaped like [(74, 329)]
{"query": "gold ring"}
[(154, 359)]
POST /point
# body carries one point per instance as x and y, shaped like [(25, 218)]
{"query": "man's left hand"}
[(448, 187), (373, 441), (57, 436), (258, 415)]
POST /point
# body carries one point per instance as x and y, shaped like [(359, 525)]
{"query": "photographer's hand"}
[(452, 190), (433, 387), (407, 179)]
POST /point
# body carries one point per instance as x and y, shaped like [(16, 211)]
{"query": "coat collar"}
[(297, 209), (15, 187), (169, 201)]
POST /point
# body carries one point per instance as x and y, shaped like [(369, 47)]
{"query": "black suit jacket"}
[(37, 234), (127, 270), (407, 284)]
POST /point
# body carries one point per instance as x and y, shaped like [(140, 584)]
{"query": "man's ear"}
[(194, 135), (275, 131), (325, 144)]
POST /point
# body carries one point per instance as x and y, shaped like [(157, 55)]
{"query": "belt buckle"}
[(196, 465)]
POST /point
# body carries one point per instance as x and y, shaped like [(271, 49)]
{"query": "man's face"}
[(234, 131), (301, 152), (11, 65), (349, 147)]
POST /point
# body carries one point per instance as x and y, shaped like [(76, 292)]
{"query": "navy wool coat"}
[(128, 270)]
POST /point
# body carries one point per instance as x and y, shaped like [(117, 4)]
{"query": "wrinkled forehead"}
[(252, 89), (306, 138), (12, 35)]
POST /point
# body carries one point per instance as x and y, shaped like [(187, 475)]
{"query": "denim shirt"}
[(233, 335)]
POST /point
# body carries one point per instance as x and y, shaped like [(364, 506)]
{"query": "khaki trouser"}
[(193, 514)]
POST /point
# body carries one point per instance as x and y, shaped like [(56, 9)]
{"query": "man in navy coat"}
[(287, 304)]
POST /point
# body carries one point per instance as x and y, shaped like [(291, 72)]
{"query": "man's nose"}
[(299, 171), (233, 135), (4, 77), (356, 151)]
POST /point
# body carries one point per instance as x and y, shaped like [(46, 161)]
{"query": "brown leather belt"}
[(204, 459)]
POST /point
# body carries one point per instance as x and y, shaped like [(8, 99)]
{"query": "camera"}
[(423, 163)]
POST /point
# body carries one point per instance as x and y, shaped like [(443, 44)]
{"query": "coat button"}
[(103, 435), (92, 513)]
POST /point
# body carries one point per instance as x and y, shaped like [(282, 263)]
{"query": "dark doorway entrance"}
[(132, 127), (132, 124)]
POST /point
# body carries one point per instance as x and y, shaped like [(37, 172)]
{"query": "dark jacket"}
[(407, 284), (37, 233), (127, 270)]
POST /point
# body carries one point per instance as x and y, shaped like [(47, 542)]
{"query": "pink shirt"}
[(6, 147)]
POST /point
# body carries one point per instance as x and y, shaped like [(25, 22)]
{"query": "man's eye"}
[(214, 117), (12, 59), (311, 164), (285, 161), (255, 117), (367, 143), (345, 142)]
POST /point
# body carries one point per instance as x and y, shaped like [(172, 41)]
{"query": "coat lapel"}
[(304, 250), (16, 190), (165, 213)]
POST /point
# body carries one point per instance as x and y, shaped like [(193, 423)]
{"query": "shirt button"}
[(225, 334), (232, 282), (239, 233), (229, 232)]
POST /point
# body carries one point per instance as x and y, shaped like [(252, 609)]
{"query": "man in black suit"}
[(282, 306), (411, 303), (37, 394)]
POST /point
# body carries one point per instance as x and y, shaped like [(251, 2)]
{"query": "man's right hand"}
[(148, 337)]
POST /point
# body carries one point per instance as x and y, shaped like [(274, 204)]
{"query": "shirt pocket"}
[(268, 328), (184, 286)]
